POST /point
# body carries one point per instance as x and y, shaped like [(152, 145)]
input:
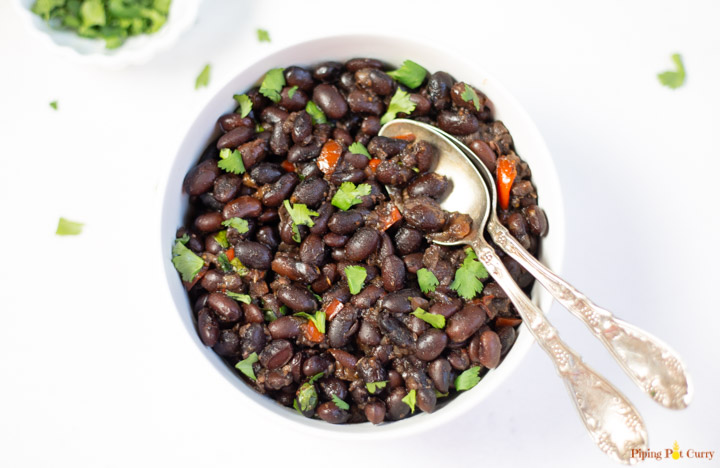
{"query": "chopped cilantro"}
[(315, 377), (263, 35), (231, 161), (318, 116), (307, 397), (673, 79), (221, 238), (291, 91), (238, 267), (467, 278), (436, 320), (410, 399), (244, 298), (359, 148), (245, 366), (410, 74), (340, 403), (269, 315), (224, 263), (318, 319), (468, 379), (238, 224), (470, 95), (373, 387), (427, 280), (54, 105), (348, 195), (245, 104), (439, 394), (66, 227), (400, 102), (186, 262), (203, 78), (300, 214), (259, 128), (355, 277), (272, 84)]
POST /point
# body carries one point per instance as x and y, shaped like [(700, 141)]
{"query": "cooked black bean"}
[(370, 125), (330, 412), (425, 215), (363, 102), (279, 140), (209, 222), (226, 309), (297, 76), (277, 353), (395, 330), (208, 327), (462, 122), (242, 207), (430, 344), (297, 102), (364, 242), (253, 152), (356, 64), (254, 255), (464, 323), (368, 296), (342, 327), (302, 129), (335, 240), (226, 187), (536, 219), (429, 185), (294, 269), (285, 327), (298, 299), (235, 137), (329, 99), (375, 80), (396, 408), (310, 192), (330, 386), (268, 236), (518, 228), (228, 122), (299, 153), (201, 178), (252, 313), (375, 412), (327, 71), (266, 173), (393, 273), (280, 190), (385, 147), (345, 222), (422, 104), (440, 371), (438, 89), (228, 344), (485, 153)]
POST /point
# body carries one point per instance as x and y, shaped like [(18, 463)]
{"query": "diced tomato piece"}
[(374, 163), (333, 308), (312, 333), (329, 156), (230, 254), (288, 166), (388, 219)]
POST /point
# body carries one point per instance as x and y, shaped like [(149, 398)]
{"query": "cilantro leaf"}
[(269, 315), (66, 227), (410, 399), (92, 13), (291, 91), (184, 239), (348, 195), (245, 366), (318, 116), (400, 102), (471, 95), (373, 387), (244, 298), (307, 397), (427, 280), (340, 403), (674, 79), (221, 238), (272, 84), (263, 35), (224, 263), (54, 105), (359, 148), (468, 379), (355, 277), (231, 161), (237, 223), (410, 74), (467, 278), (318, 319), (300, 214), (439, 394), (436, 320), (186, 262), (245, 104), (203, 78), (238, 267), (315, 377)]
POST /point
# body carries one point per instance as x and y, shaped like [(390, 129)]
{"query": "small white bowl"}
[(528, 142), (137, 50)]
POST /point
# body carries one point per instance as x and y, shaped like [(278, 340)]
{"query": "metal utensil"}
[(612, 421)]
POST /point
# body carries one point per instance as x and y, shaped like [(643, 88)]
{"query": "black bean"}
[(446, 309), (408, 240), (252, 313), (201, 177), (277, 379), (254, 255), (393, 273), (285, 327), (226, 187), (208, 327), (212, 280), (321, 220), (439, 371), (294, 269), (242, 207), (235, 137), (369, 334), (299, 153), (395, 330), (385, 147), (329, 412), (329, 99), (375, 411), (363, 102), (302, 129), (266, 173), (459, 359), (296, 298), (327, 71), (413, 262), (277, 353), (345, 222), (485, 153), (371, 370), (422, 104), (273, 115), (370, 125), (518, 228), (279, 140), (389, 172), (268, 235), (536, 219), (426, 399), (209, 222), (464, 323), (330, 386), (368, 296), (342, 327), (358, 161), (316, 364), (228, 344), (399, 302), (424, 214), (297, 102), (518, 273), (253, 339), (462, 122), (342, 136), (428, 185), (356, 64), (396, 408), (228, 122), (375, 80), (430, 344), (297, 76), (310, 192), (313, 251), (438, 89), (253, 152), (227, 310), (363, 243), (507, 337), (280, 190)]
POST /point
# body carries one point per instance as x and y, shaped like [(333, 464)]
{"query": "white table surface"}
[(95, 368)]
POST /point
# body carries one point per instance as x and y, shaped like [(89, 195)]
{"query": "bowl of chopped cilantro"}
[(111, 33)]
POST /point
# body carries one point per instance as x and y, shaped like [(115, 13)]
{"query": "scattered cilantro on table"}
[(66, 227), (263, 35), (203, 79), (674, 79), (54, 105)]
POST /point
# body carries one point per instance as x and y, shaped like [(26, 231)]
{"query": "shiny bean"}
[(201, 177), (302, 129), (408, 240), (489, 356), (273, 115), (363, 243), (310, 192), (285, 327), (235, 137), (396, 408), (252, 313), (393, 273), (208, 327), (395, 330), (385, 147), (439, 371), (342, 327), (363, 102), (368, 297), (429, 185), (462, 122), (296, 298), (209, 222), (389, 172), (253, 152), (327, 71), (212, 280), (297, 102), (316, 364), (356, 64), (413, 262), (375, 80), (294, 269), (430, 344), (329, 412), (268, 235), (313, 251), (254, 255), (228, 122), (459, 359), (507, 337), (330, 386), (485, 153), (299, 153), (276, 354), (370, 125), (343, 358), (446, 309), (422, 104), (342, 136), (226, 309), (300, 77), (329, 99), (280, 190), (399, 302), (345, 222), (266, 173), (438, 89), (228, 344), (424, 215), (375, 411), (518, 228), (371, 370), (464, 323), (335, 240), (368, 334), (277, 379), (242, 207), (226, 187), (536, 219), (321, 220)]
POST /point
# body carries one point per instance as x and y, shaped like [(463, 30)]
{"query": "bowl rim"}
[(421, 422)]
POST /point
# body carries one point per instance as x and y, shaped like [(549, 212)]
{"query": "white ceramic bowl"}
[(137, 50), (529, 145)]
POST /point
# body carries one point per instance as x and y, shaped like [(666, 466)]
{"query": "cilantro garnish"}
[(245, 366), (238, 267), (410, 74), (316, 377), (269, 315), (355, 277), (318, 319), (300, 214), (66, 227), (291, 91), (348, 195), (673, 79), (340, 403), (471, 95), (224, 263), (400, 102), (263, 35), (238, 224), (359, 148), (436, 320), (307, 397), (54, 105), (244, 298), (427, 280), (203, 78), (439, 394), (231, 161), (221, 238), (410, 399), (245, 104), (373, 387), (467, 278), (186, 262), (272, 84), (318, 116), (468, 379)]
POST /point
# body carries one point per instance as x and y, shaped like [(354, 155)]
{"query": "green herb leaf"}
[(315, 377), (467, 278), (221, 238), (359, 148), (374, 387), (436, 320), (355, 277), (400, 102), (307, 397), (263, 35), (272, 84), (54, 105), (231, 161), (245, 366), (66, 227), (410, 400), (184, 239), (674, 79), (269, 315), (318, 319), (224, 263), (470, 95), (468, 379), (440, 394), (186, 262), (348, 195), (92, 13), (238, 224), (297, 408), (259, 128), (300, 214), (318, 116), (244, 298), (203, 78), (410, 74), (427, 280), (340, 403), (238, 267), (245, 104), (291, 91)]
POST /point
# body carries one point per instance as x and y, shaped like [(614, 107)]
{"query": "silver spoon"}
[(649, 362), (612, 421)]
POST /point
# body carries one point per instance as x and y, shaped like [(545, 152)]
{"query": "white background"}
[(95, 368)]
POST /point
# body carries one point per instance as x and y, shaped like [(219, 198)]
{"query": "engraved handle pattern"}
[(612, 421), (652, 364)]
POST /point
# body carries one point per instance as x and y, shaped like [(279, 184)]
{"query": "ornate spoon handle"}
[(612, 421), (652, 364)]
